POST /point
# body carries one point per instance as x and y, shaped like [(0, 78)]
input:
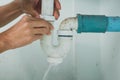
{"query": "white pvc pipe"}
[(47, 14), (57, 53), (47, 10), (69, 24), (47, 7)]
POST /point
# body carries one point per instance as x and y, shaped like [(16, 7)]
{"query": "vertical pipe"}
[(47, 7), (47, 14)]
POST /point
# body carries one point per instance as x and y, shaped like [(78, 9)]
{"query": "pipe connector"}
[(69, 24)]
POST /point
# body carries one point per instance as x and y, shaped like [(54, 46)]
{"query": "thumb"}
[(34, 13)]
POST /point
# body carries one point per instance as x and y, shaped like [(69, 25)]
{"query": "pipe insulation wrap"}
[(113, 24), (92, 23)]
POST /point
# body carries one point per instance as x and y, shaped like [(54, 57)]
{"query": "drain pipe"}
[(89, 24), (97, 24), (55, 53), (81, 23)]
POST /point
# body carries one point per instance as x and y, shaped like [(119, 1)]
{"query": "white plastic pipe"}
[(47, 14), (57, 53), (47, 7)]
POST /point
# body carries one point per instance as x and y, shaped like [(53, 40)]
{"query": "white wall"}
[(106, 47), (110, 46), (88, 44), (90, 7)]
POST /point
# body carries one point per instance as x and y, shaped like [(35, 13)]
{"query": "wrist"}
[(3, 44)]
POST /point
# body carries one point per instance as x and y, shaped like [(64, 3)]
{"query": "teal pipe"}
[(98, 24), (113, 24)]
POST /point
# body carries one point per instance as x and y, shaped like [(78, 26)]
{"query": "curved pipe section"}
[(57, 53)]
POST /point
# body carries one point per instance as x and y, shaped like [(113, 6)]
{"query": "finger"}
[(41, 23), (36, 1), (42, 31), (38, 36), (34, 13), (28, 18), (51, 27), (56, 14), (37, 6), (57, 4)]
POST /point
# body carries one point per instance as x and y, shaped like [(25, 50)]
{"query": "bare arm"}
[(9, 12)]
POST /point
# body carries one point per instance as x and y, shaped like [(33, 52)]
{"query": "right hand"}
[(27, 30), (33, 7)]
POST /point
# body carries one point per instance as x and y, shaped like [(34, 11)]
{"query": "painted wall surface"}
[(110, 46), (87, 7), (108, 43), (88, 44)]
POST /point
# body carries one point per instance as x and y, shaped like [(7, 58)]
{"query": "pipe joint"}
[(92, 23)]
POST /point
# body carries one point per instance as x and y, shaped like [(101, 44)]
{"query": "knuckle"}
[(31, 23), (44, 31), (29, 31), (25, 18), (27, 23), (44, 21)]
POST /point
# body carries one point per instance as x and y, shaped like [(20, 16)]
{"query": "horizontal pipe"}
[(113, 24), (98, 24)]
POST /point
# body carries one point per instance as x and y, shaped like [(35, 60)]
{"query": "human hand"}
[(27, 30), (33, 7)]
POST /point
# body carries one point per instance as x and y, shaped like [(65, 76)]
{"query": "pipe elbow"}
[(69, 24)]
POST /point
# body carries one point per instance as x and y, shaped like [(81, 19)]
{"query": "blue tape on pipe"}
[(92, 23), (114, 24)]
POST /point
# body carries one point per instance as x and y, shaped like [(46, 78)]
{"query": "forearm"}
[(9, 12)]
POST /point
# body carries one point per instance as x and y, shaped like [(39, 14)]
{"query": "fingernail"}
[(58, 5)]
